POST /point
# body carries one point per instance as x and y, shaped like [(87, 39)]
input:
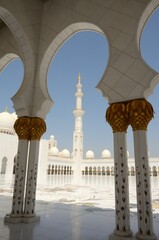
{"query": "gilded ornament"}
[(140, 114), (30, 128), (117, 117), (22, 127), (37, 128)]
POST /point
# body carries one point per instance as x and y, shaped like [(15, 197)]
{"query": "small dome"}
[(54, 151), (65, 153), (89, 154), (15, 116), (106, 154), (52, 137), (7, 122), (60, 153)]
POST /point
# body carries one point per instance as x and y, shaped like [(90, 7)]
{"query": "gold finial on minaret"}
[(6, 110), (79, 78)]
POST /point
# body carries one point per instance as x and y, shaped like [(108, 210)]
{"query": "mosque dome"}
[(65, 153), (54, 151), (7, 121), (15, 116), (52, 137), (106, 154), (60, 153), (89, 154)]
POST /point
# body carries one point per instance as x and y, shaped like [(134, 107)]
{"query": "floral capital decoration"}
[(140, 114), (29, 128), (117, 117)]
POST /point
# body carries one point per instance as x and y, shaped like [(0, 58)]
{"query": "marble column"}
[(117, 117), (140, 114), (21, 126), (37, 128)]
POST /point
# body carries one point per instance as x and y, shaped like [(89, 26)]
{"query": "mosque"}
[(55, 162), (33, 31)]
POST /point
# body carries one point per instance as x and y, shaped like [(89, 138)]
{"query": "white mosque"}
[(34, 32), (52, 161)]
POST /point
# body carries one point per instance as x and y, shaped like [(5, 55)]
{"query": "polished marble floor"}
[(71, 212)]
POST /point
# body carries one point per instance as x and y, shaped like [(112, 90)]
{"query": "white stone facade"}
[(34, 30), (63, 164)]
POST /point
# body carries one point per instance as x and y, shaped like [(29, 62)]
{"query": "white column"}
[(143, 188), (19, 183), (122, 229), (29, 210), (37, 128), (117, 117), (140, 114)]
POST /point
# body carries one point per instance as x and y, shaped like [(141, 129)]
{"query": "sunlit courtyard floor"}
[(72, 210)]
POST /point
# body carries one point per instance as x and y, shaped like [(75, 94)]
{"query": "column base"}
[(33, 219), (115, 237), (21, 219), (12, 219), (139, 236)]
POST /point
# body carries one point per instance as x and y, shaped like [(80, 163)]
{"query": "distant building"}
[(52, 161)]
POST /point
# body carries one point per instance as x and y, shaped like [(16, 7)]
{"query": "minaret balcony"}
[(78, 112)]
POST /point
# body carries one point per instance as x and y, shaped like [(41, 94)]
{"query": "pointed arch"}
[(4, 165), (14, 163), (4, 61), (27, 58), (151, 7), (57, 42)]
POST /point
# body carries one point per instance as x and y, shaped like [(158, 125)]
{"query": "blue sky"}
[(87, 53)]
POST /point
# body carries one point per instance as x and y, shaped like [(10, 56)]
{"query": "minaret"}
[(78, 132)]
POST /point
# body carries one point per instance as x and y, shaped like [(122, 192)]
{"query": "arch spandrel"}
[(21, 99), (56, 43), (126, 72), (150, 8), (126, 76)]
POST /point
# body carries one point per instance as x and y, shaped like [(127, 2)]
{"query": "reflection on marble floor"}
[(81, 211), (94, 191)]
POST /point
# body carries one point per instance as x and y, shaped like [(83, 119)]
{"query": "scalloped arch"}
[(27, 58), (57, 42), (4, 61), (151, 7)]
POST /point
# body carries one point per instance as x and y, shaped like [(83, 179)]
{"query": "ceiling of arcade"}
[(9, 49), (127, 76)]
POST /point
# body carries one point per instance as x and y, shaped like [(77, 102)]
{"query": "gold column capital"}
[(117, 117), (22, 126), (37, 128), (29, 128), (140, 114)]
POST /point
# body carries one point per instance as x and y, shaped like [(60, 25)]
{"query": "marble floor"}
[(71, 212)]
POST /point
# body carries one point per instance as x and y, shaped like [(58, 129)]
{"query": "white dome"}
[(52, 137), (106, 154), (90, 154), (54, 151), (65, 153), (7, 121), (15, 116)]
